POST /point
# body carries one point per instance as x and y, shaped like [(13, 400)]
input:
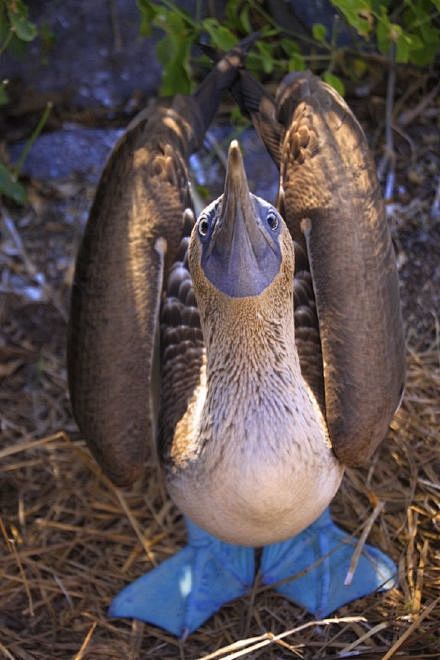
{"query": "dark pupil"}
[(204, 227), (273, 221)]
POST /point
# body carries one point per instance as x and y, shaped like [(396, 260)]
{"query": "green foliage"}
[(9, 184), (274, 51), (319, 32), (408, 25), (15, 27), (18, 18), (334, 81), (358, 14), (10, 187)]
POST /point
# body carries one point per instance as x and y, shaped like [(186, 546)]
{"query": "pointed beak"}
[(236, 261), (237, 226), (237, 205)]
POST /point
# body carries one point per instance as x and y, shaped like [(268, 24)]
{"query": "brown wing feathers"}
[(131, 240), (334, 210), (115, 299), (135, 244)]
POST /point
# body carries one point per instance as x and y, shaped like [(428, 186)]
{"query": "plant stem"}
[(333, 48), (28, 146), (170, 5), (291, 33), (7, 41)]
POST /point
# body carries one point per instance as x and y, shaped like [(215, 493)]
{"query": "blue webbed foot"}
[(328, 550), (185, 590)]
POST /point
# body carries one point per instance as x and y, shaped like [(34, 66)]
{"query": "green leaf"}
[(221, 36), (18, 16), (359, 14), (289, 46), (173, 50), (296, 62), (423, 54), (383, 32), (173, 54), (334, 81), (268, 31), (319, 32), (234, 13), (403, 48), (4, 98), (359, 67), (245, 20), (266, 56), (10, 187), (148, 12)]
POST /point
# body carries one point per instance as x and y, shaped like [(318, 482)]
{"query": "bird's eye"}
[(272, 221), (203, 226)]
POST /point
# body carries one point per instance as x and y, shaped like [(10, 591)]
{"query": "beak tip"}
[(235, 159), (234, 153)]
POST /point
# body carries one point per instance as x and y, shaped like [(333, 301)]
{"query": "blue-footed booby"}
[(259, 348)]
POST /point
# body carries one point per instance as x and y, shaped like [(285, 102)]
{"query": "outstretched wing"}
[(132, 233), (333, 206), (131, 240)]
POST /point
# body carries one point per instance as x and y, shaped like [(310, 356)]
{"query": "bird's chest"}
[(258, 476)]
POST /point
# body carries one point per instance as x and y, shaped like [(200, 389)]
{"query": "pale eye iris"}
[(272, 221), (203, 227)]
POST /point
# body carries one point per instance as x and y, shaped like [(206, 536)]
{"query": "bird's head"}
[(241, 253)]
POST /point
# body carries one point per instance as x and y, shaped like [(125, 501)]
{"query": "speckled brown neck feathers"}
[(250, 341)]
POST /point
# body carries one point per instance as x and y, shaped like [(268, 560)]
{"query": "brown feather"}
[(131, 240), (113, 327), (333, 207)]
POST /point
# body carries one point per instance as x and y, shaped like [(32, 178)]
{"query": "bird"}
[(258, 347)]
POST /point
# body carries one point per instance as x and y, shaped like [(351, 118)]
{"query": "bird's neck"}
[(252, 362)]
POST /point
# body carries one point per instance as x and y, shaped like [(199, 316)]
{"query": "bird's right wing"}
[(134, 225), (131, 240)]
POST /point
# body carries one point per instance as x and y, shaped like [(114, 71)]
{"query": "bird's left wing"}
[(332, 204)]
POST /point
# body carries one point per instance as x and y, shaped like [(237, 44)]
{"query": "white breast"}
[(260, 478)]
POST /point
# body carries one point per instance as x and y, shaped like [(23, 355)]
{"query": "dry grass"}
[(70, 540)]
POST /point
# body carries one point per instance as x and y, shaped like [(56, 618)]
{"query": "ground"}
[(70, 540)]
